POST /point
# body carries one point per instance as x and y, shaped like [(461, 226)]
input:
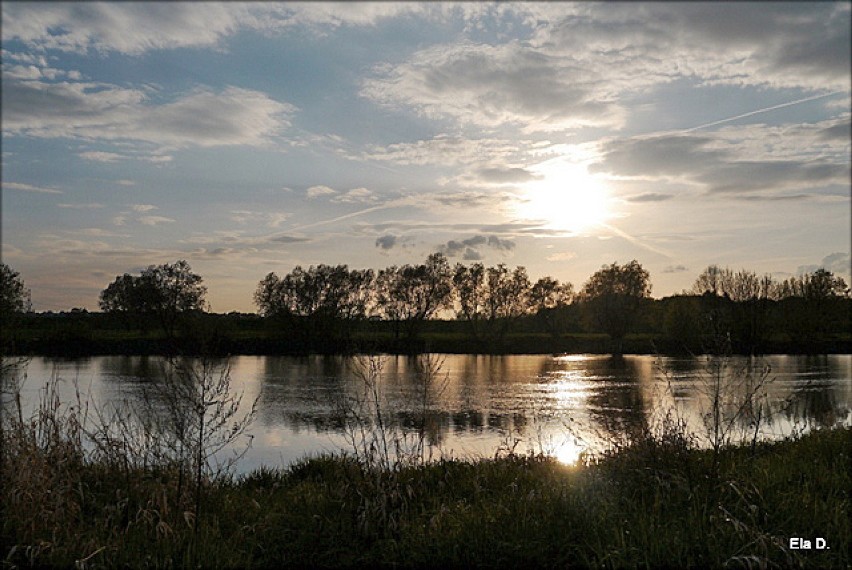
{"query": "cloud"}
[(355, 196), (583, 62), (106, 112), (500, 244), (134, 28), (127, 28), (157, 158), (841, 131), (675, 269), (838, 263), (778, 45), (99, 156), (509, 229), (204, 118), (658, 155), (732, 160), (269, 219), (143, 207), (155, 220), (505, 175), (785, 198), (468, 199), (469, 249), (444, 149), (287, 239), (649, 197), (561, 256), (386, 242), (29, 188), (99, 232), (746, 176), (316, 191), (494, 85), (91, 206)]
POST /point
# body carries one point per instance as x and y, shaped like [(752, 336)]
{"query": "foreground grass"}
[(654, 503)]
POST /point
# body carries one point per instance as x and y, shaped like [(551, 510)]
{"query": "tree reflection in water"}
[(560, 405)]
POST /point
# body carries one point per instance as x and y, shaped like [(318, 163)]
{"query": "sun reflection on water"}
[(569, 452)]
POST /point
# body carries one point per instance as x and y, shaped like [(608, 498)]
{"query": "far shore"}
[(95, 344)]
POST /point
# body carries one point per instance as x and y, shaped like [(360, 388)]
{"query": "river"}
[(477, 406)]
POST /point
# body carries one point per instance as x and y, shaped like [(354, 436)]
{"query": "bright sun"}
[(564, 197)]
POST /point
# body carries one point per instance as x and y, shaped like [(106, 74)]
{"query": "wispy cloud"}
[(100, 156), (29, 188), (268, 219), (89, 206), (143, 207), (649, 197), (155, 220)]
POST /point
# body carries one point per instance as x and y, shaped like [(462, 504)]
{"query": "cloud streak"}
[(20, 186)]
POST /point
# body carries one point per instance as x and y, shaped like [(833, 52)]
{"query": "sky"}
[(251, 138)]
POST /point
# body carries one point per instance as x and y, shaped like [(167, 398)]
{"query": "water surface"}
[(479, 406)]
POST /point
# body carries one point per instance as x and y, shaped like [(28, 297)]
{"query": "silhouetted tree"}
[(414, 293), (736, 304), (124, 299), (548, 300), (165, 292), (709, 281), (492, 298), (612, 297), (319, 303), (390, 301), (821, 284), (14, 300), (14, 295), (813, 304), (469, 283)]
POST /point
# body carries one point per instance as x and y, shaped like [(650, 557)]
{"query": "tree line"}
[(328, 303)]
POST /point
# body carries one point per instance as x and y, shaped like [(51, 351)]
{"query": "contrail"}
[(386, 205), (765, 110), (635, 241)]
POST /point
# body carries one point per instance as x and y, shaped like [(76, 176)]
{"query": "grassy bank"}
[(655, 502)]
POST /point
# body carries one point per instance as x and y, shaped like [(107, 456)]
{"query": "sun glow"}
[(565, 196), (569, 452)]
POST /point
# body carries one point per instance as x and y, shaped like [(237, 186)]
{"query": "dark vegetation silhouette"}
[(14, 302), (316, 305), (435, 307), (612, 299), (164, 294), (491, 299)]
